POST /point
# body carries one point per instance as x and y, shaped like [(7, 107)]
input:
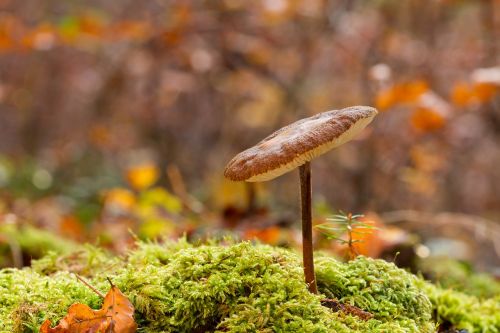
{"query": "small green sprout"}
[(342, 227)]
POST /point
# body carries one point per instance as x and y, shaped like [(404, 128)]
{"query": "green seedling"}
[(343, 227)]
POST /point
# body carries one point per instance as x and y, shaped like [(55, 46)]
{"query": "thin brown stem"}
[(90, 286), (251, 198), (352, 249), (17, 253), (307, 241)]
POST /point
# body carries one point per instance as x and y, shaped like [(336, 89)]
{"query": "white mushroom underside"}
[(348, 135)]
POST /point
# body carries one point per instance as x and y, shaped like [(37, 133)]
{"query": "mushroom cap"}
[(298, 143)]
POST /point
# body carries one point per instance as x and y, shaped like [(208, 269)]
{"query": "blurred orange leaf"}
[(484, 92), (92, 24), (461, 94), (408, 92), (426, 119), (464, 94), (133, 30), (385, 99), (11, 29), (142, 176), (119, 199), (43, 37), (269, 235), (71, 226), (115, 316), (368, 241), (411, 91)]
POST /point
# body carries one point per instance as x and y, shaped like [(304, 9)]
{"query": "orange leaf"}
[(484, 92), (411, 91), (407, 92), (71, 226), (461, 94), (270, 235), (385, 99), (115, 316), (369, 241), (43, 37), (142, 176), (464, 94), (119, 200), (426, 119)]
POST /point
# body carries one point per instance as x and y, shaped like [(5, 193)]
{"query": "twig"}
[(17, 255), (175, 177), (179, 188), (110, 282), (336, 306), (90, 286)]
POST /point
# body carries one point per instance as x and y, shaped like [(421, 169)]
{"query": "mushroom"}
[(294, 146)]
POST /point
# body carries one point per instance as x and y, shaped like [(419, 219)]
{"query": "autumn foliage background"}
[(121, 115)]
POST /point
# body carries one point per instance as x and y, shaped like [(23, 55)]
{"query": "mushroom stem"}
[(251, 205), (307, 242)]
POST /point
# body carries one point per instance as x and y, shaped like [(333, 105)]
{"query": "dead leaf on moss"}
[(336, 306), (115, 316)]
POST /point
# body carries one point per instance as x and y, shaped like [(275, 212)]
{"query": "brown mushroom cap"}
[(298, 143)]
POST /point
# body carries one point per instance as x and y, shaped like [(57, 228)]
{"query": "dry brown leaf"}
[(115, 316)]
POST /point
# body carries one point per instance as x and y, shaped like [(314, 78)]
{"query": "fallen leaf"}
[(462, 94), (367, 240), (337, 306), (402, 93), (71, 227), (426, 119), (115, 316), (142, 176), (485, 92), (270, 235), (119, 200)]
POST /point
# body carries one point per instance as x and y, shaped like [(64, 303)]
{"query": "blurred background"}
[(118, 117)]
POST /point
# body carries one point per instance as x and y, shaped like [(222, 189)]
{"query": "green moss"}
[(458, 275), (35, 242), (27, 298), (389, 293), (464, 311), (154, 253), (242, 287), (178, 287), (87, 261)]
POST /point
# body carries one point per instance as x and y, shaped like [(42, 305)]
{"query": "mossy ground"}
[(240, 287), (459, 275), (31, 241)]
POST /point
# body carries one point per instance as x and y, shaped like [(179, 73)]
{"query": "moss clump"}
[(153, 253), (33, 242), (462, 310), (87, 261), (377, 286), (178, 287), (240, 288), (27, 298), (458, 275)]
